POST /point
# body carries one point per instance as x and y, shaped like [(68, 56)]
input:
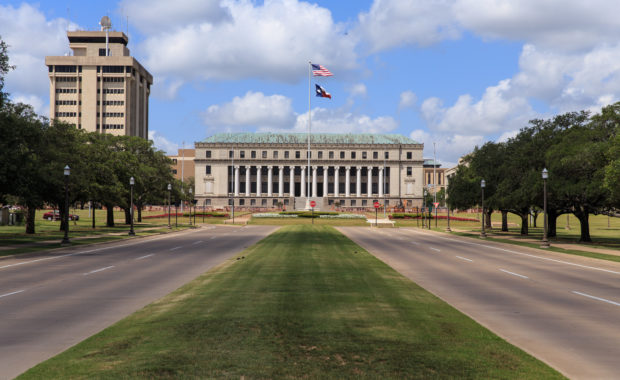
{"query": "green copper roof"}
[(302, 138)]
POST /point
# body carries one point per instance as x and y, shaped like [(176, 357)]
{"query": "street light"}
[(483, 184), (545, 241), (190, 205), (65, 239), (131, 183), (169, 189), (423, 208), (448, 228)]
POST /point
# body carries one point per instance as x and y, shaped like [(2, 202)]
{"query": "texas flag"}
[(320, 91)]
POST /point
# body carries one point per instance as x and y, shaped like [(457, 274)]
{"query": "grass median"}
[(306, 302)]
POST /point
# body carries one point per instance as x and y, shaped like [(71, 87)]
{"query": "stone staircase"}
[(303, 203)]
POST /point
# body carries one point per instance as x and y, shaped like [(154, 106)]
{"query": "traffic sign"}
[(377, 205), (312, 204), (435, 204)]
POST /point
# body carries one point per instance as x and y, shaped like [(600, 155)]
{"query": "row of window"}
[(330, 154), (111, 79), (112, 126), (65, 69), (68, 79), (114, 69), (111, 114), (111, 102), (67, 91), (68, 114), (429, 178), (111, 91), (297, 170), (67, 102)]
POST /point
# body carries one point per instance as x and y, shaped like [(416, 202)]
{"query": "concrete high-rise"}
[(100, 89)]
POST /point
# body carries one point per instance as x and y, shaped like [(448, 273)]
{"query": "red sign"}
[(312, 204), (436, 204), (377, 205)]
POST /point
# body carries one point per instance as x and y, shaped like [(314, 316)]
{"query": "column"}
[(336, 181), (258, 181), (247, 180), (347, 184), (325, 178), (270, 179), (303, 181), (314, 184), (280, 181), (237, 180), (381, 182), (358, 188), (369, 181), (292, 185)]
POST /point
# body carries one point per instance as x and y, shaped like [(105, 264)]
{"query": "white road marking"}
[(596, 298), (98, 270), (528, 255), (144, 257), (10, 294), (197, 242), (34, 261), (415, 242), (514, 274), (435, 249), (175, 248), (213, 237), (463, 258)]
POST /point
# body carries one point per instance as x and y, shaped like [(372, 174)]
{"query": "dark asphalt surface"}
[(563, 309), (51, 301)]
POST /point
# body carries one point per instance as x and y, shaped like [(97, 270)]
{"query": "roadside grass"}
[(305, 302)]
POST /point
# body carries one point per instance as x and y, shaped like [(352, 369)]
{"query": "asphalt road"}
[(51, 301), (563, 309)]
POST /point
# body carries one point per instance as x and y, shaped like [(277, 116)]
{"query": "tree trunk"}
[(110, 215), (583, 217), (30, 217), (524, 228), (488, 221), (127, 215), (552, 218), (535, 217), (504, 221), (62, 212), (140, 214), (92, 204)]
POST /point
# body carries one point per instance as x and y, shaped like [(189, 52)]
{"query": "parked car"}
[(55, 215)]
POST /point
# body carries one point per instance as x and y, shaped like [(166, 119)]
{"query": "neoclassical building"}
[(264, 170)]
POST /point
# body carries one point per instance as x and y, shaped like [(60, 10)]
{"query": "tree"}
[(612, 172), (4, 69)]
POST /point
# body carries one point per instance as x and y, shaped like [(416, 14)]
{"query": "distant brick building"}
[(183, 164)]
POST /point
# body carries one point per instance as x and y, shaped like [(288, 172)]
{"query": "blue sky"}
[(454, 72)]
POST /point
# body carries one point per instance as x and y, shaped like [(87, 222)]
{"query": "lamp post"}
[(483, 184), (190, 205), (448, 228), (65, 239), (204, 209), (131, 183), (169, 189), (545, 241), (424, 209)]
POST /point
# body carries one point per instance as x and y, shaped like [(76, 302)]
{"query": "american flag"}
[(320, 71)]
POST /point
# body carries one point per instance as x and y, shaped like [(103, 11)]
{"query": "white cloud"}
[(153, 16), (449, 147), (561, 25), (343, 121), (358, 89), (394, 23), (40, 106), (407, 100), (163, 143), (254, 109), (31, 37), (270, 41)]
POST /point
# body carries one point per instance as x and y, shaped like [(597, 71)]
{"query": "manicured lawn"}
[(306, 302)]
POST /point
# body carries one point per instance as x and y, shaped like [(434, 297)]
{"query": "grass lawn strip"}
[(305, 302)]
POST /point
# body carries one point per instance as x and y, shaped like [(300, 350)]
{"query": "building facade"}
[(434, 176), (100, 89), (183, 164), (266, 170)]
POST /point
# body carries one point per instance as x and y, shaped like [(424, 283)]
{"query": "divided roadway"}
[(564, 310), (52, 301)]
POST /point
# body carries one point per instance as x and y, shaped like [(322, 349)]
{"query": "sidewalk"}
[(568, 246)]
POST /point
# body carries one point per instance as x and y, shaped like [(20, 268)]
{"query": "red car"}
[(55, 215)]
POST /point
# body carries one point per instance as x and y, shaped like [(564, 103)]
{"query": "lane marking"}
[(98, 270), (213, 237), (528, 255), (466, 259), (435, 249), (10, 294), (514, 274), (415, 242), (175, 248), (596, 298), (144, 257), (197, 242)]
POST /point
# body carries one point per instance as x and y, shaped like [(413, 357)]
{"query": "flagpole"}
[(309, 125)]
